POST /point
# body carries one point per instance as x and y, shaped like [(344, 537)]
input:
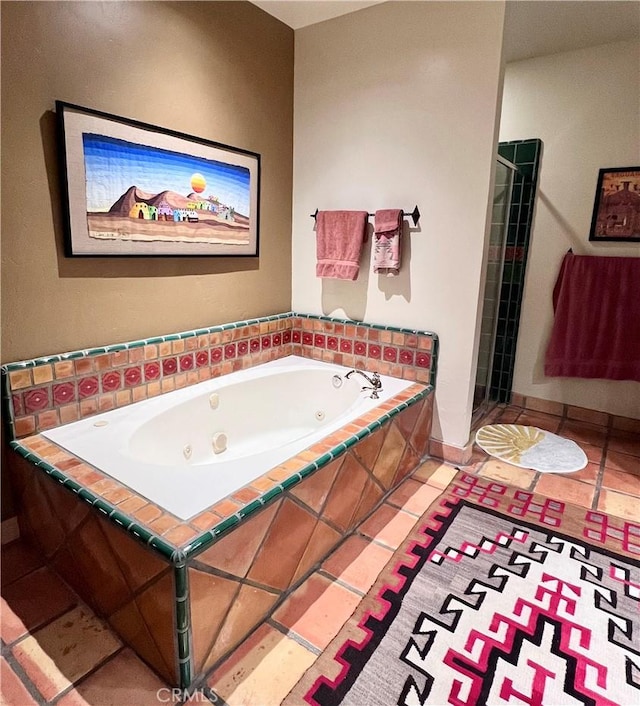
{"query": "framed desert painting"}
[(133, 189), (616, 211)]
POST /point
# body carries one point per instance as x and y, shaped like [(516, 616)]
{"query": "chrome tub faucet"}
[(373, 380)]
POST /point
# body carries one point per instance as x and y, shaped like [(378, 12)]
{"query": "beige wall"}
[(218, 70), (583, 105), (396, 105)]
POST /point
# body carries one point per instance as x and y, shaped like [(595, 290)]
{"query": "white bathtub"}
[(163, 448)]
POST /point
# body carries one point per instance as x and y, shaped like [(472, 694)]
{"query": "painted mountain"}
[(133, 195), (168, 216)]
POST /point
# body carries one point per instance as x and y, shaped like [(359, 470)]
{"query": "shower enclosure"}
[(505, 171)]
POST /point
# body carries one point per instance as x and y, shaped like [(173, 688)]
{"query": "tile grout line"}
[(74, 685), (22, 675), (601, 468), (337, 580), (44, 624), (293, 635)]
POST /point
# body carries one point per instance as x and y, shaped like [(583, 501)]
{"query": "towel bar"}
[(415, 215)]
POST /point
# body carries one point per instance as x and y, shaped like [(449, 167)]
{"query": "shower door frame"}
[(486, 405)]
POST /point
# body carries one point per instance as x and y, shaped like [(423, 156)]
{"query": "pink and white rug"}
[(501, 597)]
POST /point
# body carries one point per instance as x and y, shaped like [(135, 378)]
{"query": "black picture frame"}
[(167, 213), (616, 210)]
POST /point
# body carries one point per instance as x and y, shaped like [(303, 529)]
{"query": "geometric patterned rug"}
[(499, 596)]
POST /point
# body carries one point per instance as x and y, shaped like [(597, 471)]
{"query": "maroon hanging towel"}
[(339, 239), (596, 329)]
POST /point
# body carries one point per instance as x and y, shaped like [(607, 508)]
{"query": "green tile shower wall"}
[(526, 155), (45, 392)]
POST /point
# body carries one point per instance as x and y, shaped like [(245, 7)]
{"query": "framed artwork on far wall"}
[(132, 189), (616, 211)]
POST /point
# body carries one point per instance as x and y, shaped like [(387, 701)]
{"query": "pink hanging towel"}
[(596, 328), (387, 229), (339, 239)]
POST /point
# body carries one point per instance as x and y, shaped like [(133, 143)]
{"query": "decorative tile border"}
[(402, 353), (45, 392)]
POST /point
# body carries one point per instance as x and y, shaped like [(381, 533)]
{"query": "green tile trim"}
[(291, 480), (185, 674), (160, 545), (7, 405), (273, 493), (434, 361), (183, 624), (248, 509)]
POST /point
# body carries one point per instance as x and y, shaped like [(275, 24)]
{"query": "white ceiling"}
[(300, 13), (532, 27), (540, 27)]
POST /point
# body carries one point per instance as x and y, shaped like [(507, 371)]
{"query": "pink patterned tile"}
[(254, 345), (230, 351), (202, 359), (277, 339), (216, 354), (132, 376), (265, 342), (151, 371), (88, 387), (423, 360), (296, 336), (406, 357), (169, 366), (64, 393), (390, 354), (332, 343), (286, 336), (243, 347), (36, 400), (307, 338), (346, 346), (186, 362), (375, 351), (360, 348), (319, 340)]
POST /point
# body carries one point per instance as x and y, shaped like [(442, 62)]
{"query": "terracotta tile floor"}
[(55, 651)]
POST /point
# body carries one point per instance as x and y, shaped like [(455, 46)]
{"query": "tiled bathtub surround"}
[(158, 597), (45, 392)]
